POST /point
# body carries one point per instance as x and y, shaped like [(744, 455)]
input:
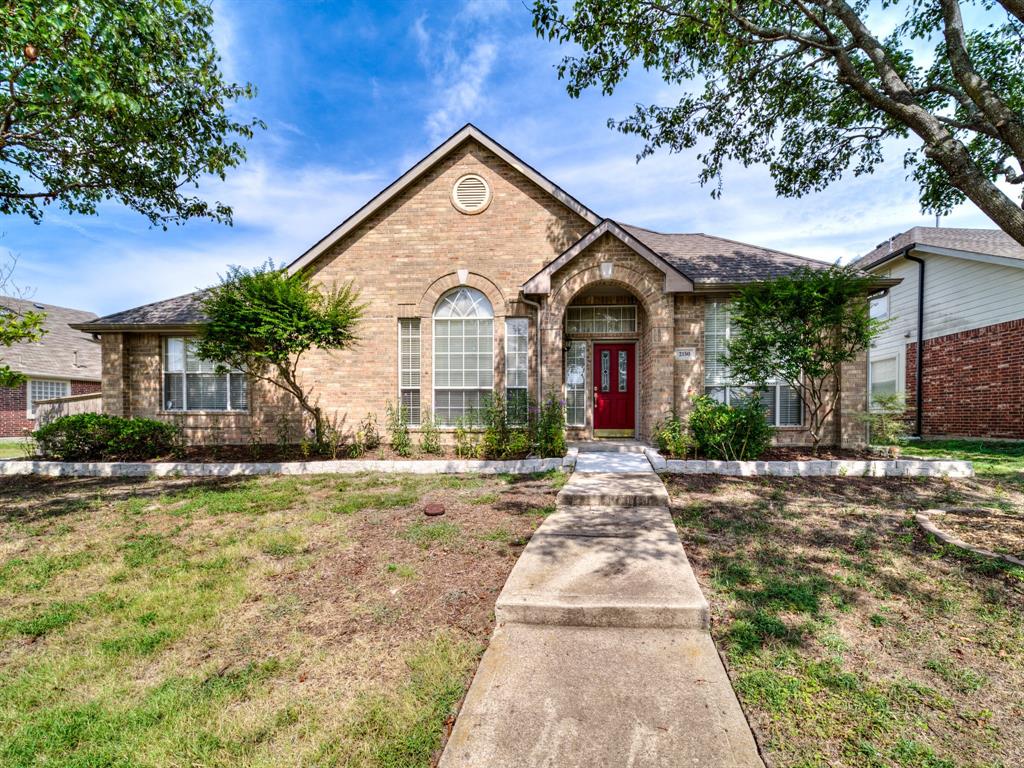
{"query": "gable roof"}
[(466, 133), (62, 352), (716, 261), (180, 312), (950, 241), (675, 281)]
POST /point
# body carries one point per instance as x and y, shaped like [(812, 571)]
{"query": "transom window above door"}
[(615, 318)]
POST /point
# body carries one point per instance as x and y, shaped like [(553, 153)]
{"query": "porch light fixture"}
[(606, 269)]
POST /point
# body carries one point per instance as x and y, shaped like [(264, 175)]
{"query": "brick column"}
[(116, 382), (851, 430)]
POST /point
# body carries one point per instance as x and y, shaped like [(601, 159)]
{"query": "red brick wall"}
[(12, 407), (973, 382)]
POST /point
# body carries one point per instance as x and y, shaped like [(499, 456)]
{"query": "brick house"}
[(64, 362), (962, 292), (480, 274)]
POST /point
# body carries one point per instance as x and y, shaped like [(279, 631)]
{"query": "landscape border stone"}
[(924, 520), (817, 468), (14, 467)]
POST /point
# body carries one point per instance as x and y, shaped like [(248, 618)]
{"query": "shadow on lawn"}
[(784, 573), (35, 499)]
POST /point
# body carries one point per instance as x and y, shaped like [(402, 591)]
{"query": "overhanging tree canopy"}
[(812, 88), (114, 99)]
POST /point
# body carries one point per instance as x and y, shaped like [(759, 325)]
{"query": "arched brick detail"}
[(636, 275), (445, 283)]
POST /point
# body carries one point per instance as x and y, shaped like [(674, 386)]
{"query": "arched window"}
[(463, 355)]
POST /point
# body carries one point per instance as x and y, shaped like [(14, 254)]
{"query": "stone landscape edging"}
[(924, 520), (13, 467), (816, 468)]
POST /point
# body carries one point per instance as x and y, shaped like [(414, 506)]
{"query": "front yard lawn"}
[(298, 621), (851, 639), (12, 450), (992, 458)]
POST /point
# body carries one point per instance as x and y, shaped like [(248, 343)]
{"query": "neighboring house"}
[(64, 362), (481, 275), (971, 317)]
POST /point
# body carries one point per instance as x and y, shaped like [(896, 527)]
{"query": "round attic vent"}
[(471, 194)]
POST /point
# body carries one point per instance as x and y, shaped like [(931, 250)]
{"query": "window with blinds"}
[(780, 401), (516, 368), (576, 384), (463, 355), (193, 384), (883, 374), (409, 368)]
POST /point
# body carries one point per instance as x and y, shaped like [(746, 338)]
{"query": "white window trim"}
[(572, 308), (184, 386), (433, 354), (29, 410), (888, 306), (872, 361), (419, 384)]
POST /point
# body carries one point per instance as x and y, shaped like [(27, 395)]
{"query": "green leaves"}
[(124, 100), (15, 329), (808, 91), (261, 321), (802, 328)]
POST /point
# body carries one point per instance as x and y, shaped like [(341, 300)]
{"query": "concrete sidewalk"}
[(601, 655)]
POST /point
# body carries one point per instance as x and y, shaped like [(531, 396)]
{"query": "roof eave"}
[(137, 327), (675, 281)]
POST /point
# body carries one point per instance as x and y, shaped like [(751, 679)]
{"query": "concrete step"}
[(609, 445), (552, 697), (603, 566), (607, 489)]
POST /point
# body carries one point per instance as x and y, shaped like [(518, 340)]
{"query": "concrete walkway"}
[(601, 655)]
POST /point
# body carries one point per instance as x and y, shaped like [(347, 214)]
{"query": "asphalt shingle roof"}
[(706, 259), (992, 242), (179, 311), (62, 352)]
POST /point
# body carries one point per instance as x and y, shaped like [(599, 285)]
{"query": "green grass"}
[(12, 450), (427, 534), (991, 458), (850, 638), (162, 623)]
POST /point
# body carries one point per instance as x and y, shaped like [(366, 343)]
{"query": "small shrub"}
[(887, 419), (398, 430), (465, 440), (502, 439), (430, 436), (672, 437), (549, 433), (730, 432), (102, 437), (369, 432)]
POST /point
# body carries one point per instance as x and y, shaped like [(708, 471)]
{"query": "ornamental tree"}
[(800, 329), (114, 99), (262, 321), (814, 88)]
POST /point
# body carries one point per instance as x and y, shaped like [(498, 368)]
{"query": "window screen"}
[(883, 374), (192, 384), (409, 368), (780, 401), (576, 384), (516, 368), (463, 355)]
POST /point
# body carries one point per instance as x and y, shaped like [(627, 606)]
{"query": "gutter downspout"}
[(919, 367), (540, 343)]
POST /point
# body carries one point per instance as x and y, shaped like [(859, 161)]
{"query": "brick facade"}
[(14, 403), (403, 259), (973, 382)]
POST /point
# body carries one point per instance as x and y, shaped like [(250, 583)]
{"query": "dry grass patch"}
[(246, 621), (850, 637)]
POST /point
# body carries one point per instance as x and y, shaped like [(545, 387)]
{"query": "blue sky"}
[(355, 93)]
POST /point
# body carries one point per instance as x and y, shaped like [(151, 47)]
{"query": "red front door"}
[(614, 383)]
